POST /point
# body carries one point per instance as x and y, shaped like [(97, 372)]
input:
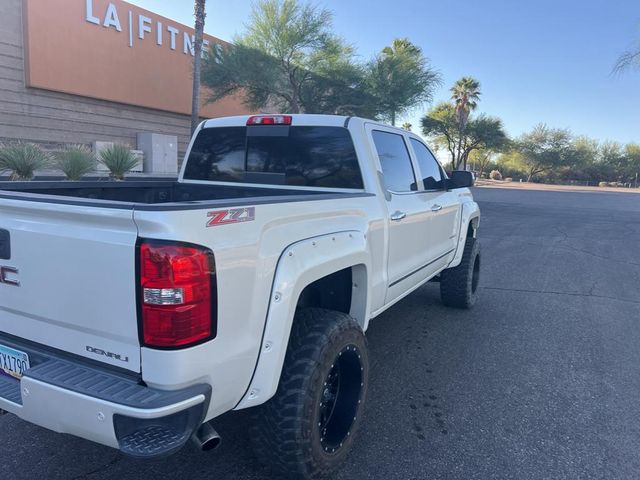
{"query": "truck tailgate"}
[(75, 266)]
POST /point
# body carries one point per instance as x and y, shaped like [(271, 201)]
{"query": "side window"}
[(395, 161), (429, 166)]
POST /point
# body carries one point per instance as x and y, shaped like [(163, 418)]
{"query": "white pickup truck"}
[(133, 313)]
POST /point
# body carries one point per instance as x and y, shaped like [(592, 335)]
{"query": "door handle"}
[(398, 215), (436, 207)]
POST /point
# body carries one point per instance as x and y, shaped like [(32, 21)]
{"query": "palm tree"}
[(200, 15), (466, 94), (407, 126), (401, 46)]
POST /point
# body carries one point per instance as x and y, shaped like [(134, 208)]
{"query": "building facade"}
[(86, 71)]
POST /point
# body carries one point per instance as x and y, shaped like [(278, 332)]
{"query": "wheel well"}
[(472, 227), (471, 230), (343, 291), (332, 292)]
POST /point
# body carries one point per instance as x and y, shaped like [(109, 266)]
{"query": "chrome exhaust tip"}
[(206, 438)]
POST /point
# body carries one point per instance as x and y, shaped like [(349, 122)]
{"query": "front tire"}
[(307, 429), (459, 285)]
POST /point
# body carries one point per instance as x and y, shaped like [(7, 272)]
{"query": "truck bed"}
[(151, 195)]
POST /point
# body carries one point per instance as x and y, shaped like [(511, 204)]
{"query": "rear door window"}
[(276, 155), (395, 161)]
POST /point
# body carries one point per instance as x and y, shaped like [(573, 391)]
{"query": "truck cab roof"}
[(297, 119)]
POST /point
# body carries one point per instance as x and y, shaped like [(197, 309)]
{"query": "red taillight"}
[(270, 120), (177, 285)]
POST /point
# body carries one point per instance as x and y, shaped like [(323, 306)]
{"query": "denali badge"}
[(99, 351), (233, 215), (9, 276)]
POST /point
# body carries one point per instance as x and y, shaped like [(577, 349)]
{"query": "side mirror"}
[(431, 183), (460, 179)]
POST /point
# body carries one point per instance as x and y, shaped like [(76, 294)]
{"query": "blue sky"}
[(538, 61)]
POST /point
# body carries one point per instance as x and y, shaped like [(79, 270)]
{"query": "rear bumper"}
[(103, 406)]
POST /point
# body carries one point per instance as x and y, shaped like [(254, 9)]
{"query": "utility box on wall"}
[(160, 153)]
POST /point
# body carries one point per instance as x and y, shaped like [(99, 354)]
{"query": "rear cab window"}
[(301, 156)]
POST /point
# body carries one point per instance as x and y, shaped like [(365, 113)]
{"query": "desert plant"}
[(495, 175), (119, 160), (603, 184), (75, 161), (22, 160)]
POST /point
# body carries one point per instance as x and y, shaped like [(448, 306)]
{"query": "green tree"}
[(289, 61), (510, 164), (543, 149), (441, 125), (583, 162), (632, 152), (465, 94), (199, 13), (620, 162), (338, 85), (482, 159), (573, 159), (400, 78)]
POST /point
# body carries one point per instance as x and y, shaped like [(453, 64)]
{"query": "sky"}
[(538, 61)]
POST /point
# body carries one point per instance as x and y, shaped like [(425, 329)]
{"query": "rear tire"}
[(459, 285), (307, 429)]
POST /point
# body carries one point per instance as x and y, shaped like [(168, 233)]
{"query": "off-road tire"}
[(286, 432), (459, 285)]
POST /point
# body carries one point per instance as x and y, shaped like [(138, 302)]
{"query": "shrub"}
[(76, 161), (22, 160), (495, 175), (508, 179), (119, 160), (603, 184)]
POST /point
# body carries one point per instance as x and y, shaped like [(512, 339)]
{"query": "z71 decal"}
[(233, 215)]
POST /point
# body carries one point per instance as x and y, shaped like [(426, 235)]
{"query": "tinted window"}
[(395, 161), (217, 154), (429, 166), (299, 156)]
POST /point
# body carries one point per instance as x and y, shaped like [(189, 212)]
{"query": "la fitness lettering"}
[(144, 28)]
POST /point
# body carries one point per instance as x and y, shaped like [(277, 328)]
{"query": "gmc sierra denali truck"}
[(134, 313)]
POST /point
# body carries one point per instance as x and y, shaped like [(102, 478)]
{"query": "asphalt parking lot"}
[(541, 380)]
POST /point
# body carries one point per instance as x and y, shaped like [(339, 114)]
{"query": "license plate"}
[(13, 362)]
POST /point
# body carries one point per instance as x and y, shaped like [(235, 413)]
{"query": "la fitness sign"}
[(119, 52), (144, 28)]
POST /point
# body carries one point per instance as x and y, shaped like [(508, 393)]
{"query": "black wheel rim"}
[(475, 276), (340, 398)]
